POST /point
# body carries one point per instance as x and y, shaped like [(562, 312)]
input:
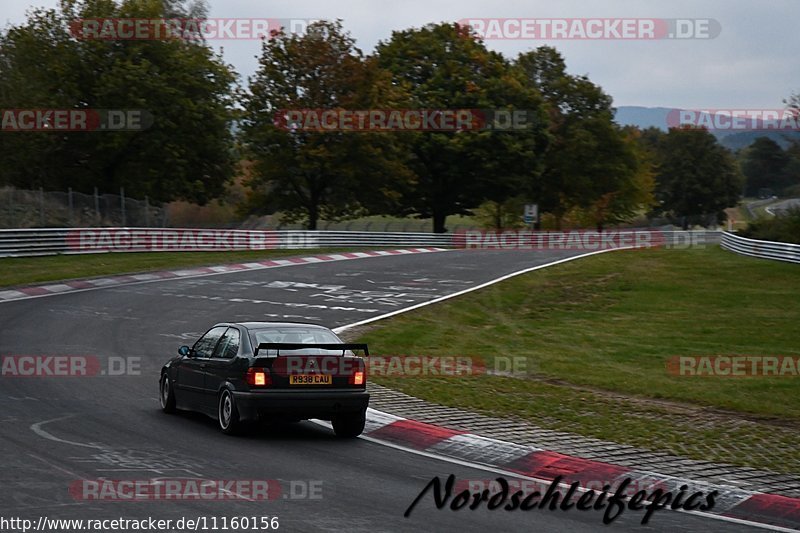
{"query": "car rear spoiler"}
[(300, 346)]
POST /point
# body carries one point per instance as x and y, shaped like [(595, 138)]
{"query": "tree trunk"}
[(438, 221), (313, 217)]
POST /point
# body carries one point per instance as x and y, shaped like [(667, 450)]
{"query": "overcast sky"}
[(751, 64)]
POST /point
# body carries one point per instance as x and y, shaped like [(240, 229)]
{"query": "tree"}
[(783, 227), (444, 66), (792, 170), (501, 215), (696, 176), (182, 84), (764, 166), (591, 164), (567, 95), (314, 174), (651, 140), (630, 191)]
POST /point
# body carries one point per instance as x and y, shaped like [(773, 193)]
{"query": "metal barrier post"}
[(41, 206), (122, 203)]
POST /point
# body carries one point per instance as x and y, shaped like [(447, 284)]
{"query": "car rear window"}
[(296, 336)]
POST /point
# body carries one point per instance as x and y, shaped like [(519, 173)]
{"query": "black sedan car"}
[(246, 372)]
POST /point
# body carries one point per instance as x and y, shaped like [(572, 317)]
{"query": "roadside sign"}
[(531, 215)]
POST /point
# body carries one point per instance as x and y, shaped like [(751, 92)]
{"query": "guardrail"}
[(779, 251), (52, 241)]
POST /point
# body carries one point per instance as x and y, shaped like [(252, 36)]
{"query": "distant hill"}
[(659, 117), (743, 139), (643, 117)]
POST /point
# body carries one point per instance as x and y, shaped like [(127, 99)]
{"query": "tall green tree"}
[(764, 165), (307, 174), (792, 170), (696, 176), (182, 84), (651, 140), (631, 189), (591, 165), (444, 66)]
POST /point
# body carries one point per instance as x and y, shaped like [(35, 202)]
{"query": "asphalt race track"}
[(55, 431)]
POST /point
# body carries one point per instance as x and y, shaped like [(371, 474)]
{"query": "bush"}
[(784, 227)]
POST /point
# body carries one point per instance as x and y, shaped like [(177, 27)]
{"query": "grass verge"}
[(597, 334)]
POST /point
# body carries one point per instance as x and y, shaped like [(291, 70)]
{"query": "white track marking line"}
[(59, 468), (475, 288), (37, 428)]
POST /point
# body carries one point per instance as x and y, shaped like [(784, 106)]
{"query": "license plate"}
[(310, 379)]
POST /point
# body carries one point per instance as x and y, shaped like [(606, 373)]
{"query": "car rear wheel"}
[(349, 426), (227, 414), (167, 396)]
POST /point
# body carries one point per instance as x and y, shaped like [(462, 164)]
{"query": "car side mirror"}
[(185, 351)]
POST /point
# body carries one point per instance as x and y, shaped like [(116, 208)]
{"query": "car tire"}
[(228, 414), (166, 395), (349, 426)]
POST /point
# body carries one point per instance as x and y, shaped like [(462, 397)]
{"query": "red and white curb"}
[(38, 291), (732, 503)]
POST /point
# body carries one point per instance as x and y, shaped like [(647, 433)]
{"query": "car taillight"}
[(357, 378), (258, 377)]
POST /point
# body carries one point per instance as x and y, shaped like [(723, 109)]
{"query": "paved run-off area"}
[(57, 430)]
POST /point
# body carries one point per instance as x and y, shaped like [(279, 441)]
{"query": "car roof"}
[(269, 325)]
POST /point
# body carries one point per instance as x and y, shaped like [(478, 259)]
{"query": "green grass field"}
[(15, 271), (597, 334)]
